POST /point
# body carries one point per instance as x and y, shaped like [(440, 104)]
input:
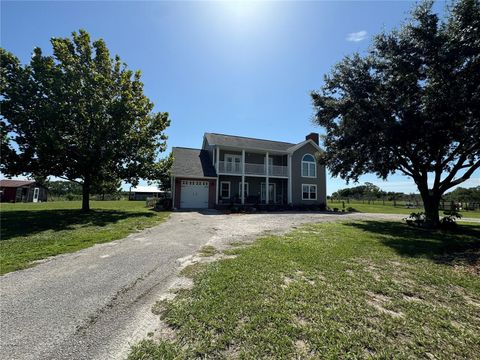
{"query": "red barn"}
[(22, 191)]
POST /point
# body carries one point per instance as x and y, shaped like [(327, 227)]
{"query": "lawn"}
[(34, 231), (332, 290), (388, 208)]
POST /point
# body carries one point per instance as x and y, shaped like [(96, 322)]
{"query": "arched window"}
[(309, 166)]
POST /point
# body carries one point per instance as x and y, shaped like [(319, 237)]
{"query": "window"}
[(309, 192), (240, 189), (233, 164), (225, 189), (309, 166)]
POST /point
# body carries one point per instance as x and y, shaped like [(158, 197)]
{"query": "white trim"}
[(267, 180), (243, 178), (309, 191), (308, 167), (217, 158), (229, 189), (172, 181), (289, 164)]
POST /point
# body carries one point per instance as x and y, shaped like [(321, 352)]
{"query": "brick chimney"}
[(312, 136)]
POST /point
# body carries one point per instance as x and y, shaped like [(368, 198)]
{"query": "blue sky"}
[(243, 68)]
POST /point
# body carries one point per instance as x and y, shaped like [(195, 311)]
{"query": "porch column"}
[(217, 164), (267, 187), (243, 177), (289, 165)]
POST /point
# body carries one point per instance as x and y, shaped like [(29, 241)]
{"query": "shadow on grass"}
[(25, 223), (459, 246)]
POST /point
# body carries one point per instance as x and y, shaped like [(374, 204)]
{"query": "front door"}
[(36, 192), (271, 193)]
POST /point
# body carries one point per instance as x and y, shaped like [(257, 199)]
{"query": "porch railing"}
[(252, 169)]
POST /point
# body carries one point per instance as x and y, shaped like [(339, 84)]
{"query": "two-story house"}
[(245, 171)]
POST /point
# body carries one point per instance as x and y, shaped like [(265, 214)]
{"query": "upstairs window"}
[(309, 166)]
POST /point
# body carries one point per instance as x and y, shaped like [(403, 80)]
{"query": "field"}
[(34, 231), (388, 208), (370, 289)]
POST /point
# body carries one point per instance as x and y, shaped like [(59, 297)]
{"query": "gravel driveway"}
[(93, 304)]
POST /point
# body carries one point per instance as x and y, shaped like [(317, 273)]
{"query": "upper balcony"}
[(235, 168)]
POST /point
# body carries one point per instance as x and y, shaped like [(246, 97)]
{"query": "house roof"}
[(299, 145), (192, 163), (247, 142), (15, 183)]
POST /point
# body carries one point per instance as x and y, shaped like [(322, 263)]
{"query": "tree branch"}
[(461, 179)]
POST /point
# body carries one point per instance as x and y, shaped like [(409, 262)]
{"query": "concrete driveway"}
[(95, 303)]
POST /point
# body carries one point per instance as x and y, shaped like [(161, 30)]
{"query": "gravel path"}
[(95, 303)]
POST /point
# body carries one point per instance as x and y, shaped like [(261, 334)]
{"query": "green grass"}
[(207, 250), (333, 290), (388, 208), (32, 232)]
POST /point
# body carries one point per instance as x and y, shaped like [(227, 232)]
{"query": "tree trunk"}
[(86, 195), (431, 203)]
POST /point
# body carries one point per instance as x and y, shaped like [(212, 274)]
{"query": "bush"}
[(449, 221), (416, 219)]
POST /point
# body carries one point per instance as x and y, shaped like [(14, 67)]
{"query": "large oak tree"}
[(410, 105), (78, 115)]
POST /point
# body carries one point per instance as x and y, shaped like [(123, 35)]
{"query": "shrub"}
[(416, 219)]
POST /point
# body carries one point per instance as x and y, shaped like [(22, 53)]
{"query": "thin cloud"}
[(357, 36)]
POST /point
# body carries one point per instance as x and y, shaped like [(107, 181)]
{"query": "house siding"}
[(298, 179)]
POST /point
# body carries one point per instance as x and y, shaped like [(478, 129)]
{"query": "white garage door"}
[(194, 194)]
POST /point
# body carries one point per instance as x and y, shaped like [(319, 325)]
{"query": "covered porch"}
[(255, 191)]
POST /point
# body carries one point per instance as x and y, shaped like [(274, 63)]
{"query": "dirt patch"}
[(301, 347), (379, 301)]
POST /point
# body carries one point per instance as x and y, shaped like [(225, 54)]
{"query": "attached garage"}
[(193, 179), (193, 194)]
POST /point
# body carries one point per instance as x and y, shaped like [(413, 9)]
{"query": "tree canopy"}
[(79, 115), (411, 104), (464, 195)]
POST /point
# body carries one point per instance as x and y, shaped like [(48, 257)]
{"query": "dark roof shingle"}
[(246, 142), (192, 163)]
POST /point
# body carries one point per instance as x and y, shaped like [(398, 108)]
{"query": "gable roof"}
[(192, 163), (246, 142), (15, 183), (300, 145)]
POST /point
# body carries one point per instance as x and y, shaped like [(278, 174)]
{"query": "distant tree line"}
[(70, 190), (464, 195), (371, 192)]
